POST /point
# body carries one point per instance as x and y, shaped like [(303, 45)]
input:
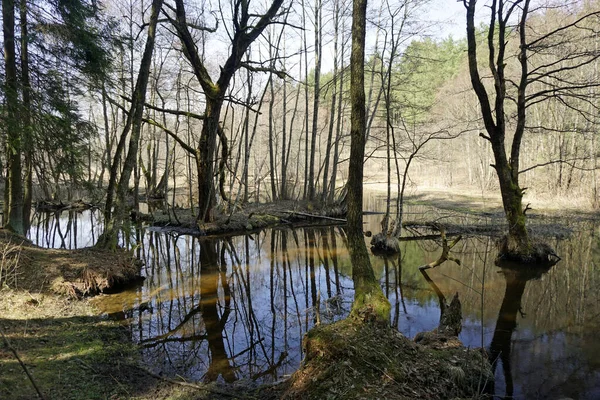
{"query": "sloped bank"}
[(354, 360), (75, 273)]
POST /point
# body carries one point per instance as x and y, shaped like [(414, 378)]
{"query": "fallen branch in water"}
[(448, 322), (315, 216)]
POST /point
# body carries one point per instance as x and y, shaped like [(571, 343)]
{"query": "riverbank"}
[(55, 344)]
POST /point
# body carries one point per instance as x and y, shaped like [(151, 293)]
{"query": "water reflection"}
[(226, 309), (237, 308), (66, 230), (516, 277)]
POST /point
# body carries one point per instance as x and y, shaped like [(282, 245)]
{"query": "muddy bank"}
[(75, 273)]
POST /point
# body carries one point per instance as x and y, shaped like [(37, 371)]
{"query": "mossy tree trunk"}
[(525, 87), (494, 116), (369, 302)]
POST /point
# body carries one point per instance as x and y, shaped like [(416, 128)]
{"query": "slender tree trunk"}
[(325, 195), (338, 127), (284, 146), (316, 101), (134, 121), (26, 117), (106, 159), (247, 138), (306, 191), (272, 140), (13, 205)]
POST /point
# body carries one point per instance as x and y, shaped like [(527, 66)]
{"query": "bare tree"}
[(247, 27), (505, 110)]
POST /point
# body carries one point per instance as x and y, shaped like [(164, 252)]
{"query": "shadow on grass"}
[(79, 357)]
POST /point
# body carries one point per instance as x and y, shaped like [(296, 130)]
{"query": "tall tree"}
[(369, 301), (63, 36), (13, 195), (316, 101), (506, 108), (133, 123)]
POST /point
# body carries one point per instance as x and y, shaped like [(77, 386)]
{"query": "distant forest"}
[(241, 102)]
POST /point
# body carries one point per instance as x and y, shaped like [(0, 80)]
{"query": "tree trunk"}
[(272, 139), (134, 121), (369, 302), (13, 206), (325, 194), (215, 92), (338, 127), (284, 147), (205, 154), (26, 117), (305, 127), (517, 241), (316, 101)]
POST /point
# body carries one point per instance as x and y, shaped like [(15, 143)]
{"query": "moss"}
[(371, 306)]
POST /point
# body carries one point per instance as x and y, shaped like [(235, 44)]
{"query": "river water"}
[(236, 308)]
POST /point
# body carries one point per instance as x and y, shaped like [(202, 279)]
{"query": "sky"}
[(443, 18)]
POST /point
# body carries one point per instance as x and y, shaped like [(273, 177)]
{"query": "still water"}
[(237, 307)]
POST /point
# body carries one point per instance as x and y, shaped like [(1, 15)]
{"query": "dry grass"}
[(74, 273), (352, 360)]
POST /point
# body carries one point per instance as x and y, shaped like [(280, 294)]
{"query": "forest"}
[(300, 200)]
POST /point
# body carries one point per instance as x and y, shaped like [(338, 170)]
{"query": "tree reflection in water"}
[(238, 307), (516, 277), (222, 309)]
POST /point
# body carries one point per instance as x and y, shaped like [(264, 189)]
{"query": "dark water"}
[(237, 308)]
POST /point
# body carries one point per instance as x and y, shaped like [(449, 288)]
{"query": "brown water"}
[(237, 308)]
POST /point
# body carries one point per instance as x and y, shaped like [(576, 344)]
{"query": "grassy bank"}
[(54, 339)]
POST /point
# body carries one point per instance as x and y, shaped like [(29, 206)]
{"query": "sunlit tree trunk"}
[(369, 301)]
